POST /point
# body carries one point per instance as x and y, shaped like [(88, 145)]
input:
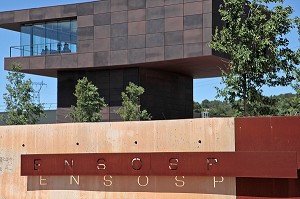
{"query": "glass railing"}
[(43, 49)]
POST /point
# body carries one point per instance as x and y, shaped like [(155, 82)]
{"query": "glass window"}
[(64, 35), (49, 38), (39, 38), (26, 32), (73, 36)]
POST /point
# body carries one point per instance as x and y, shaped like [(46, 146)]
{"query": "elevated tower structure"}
[(160, 45)]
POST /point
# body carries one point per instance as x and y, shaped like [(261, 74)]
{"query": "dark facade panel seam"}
[(136, 48), (172, 2), (158, 17), (177, 44), (209, 4), (156, 3), (86, 8), (193, 14), (140, 34), (136, 4), (176, 15), (191, 1), (111, 17)]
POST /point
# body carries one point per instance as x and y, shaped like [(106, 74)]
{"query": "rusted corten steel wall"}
[(268, 134), (226, 164)]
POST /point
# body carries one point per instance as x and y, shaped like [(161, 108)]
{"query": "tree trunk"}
[(245, 95)]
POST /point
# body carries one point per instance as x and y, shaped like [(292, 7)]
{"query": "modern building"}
[(160, 45)]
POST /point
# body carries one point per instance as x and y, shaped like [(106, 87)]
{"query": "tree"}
[(217, 108), (285, 105), (130, 109), (255, 38), (294, 108), (197, 107), (89, 103), (20, 106)]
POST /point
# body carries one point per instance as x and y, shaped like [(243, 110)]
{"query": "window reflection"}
[(49, 38)]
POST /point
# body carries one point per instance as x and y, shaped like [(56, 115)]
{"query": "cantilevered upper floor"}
[(172, 35)]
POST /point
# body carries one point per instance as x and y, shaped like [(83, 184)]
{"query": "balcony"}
[(43, 49), (45, 38)]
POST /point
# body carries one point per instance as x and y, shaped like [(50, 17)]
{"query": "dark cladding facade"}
[(158, 44)]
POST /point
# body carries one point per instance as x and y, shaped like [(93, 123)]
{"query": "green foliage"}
[(286, 105), (197, 107), (20, 106), (296, 85), (255, 38), (281, 105), (294, 108), (89, 103), (217, 108), (130, 109)]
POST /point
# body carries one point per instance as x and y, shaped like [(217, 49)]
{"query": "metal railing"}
[(43, 49)]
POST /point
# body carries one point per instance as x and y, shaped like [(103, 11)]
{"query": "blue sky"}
[(203, 88)]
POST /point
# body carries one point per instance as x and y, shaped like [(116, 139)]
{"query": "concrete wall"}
[(197, 135)]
